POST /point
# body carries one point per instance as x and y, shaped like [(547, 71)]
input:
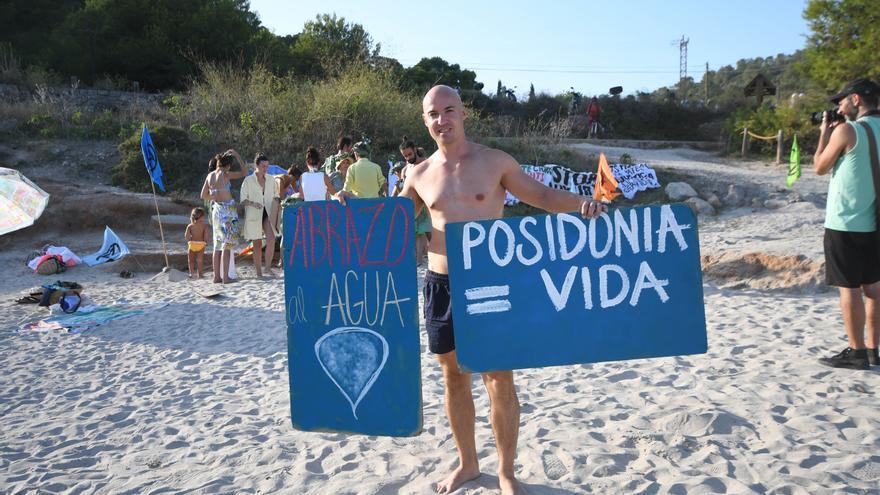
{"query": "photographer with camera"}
[(852, 240)]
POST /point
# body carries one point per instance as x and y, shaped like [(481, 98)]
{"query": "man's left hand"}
[(592, 209)]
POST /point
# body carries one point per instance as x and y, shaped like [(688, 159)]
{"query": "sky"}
[(558, 45)]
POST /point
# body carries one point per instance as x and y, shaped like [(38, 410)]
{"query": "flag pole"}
[(161, 232)]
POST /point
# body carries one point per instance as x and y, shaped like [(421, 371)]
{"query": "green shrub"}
[(791, 117), (252, 109), (127, 129), (43, 125), (201, 132), (182, 160), (105, 126)]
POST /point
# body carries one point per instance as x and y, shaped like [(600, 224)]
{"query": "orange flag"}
[(606, 184)]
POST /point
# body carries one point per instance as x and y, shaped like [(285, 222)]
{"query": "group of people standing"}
[(348, 173), (461, 181)]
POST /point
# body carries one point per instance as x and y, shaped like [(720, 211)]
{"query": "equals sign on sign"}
[(493, 304)]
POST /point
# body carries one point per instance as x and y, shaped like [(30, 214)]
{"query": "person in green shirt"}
[(364, 178), (852, 246)]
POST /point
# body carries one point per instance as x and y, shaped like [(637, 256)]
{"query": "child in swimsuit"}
[(196, 239)]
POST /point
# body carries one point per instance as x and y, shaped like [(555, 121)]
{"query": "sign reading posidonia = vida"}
[(559, 289)]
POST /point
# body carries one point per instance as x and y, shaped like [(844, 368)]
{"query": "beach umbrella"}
[(21, 201), (273, 170)]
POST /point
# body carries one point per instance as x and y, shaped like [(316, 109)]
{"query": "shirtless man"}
[(460, 182)]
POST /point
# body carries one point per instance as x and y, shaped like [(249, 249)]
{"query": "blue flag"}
[(151, 158), (113, 249)]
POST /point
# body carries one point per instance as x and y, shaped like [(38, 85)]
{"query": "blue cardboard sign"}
[(352, 317), (551, 290)]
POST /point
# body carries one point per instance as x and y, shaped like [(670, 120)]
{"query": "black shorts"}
[(852, 259), (438, 313)]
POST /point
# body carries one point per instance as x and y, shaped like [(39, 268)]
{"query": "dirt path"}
[(774, 242)]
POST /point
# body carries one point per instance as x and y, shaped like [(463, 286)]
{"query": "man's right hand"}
[(827, 123)]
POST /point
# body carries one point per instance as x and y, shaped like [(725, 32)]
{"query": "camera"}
[(833, 116)]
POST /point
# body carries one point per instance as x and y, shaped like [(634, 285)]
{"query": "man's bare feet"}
[(217, 281), (510, 486), (457, 478)]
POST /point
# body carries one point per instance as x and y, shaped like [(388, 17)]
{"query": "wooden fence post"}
[(779, 147)]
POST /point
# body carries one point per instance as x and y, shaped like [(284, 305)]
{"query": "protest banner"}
[(634, 178), (551, 290), (352, 317), (631, 179)]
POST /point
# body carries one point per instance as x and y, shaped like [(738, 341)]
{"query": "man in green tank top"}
[(852, 243)]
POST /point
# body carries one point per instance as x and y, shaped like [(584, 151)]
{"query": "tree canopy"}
[(164, 44), (845, 41)]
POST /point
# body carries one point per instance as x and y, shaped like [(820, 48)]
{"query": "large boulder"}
[(700, 206), (713, 200), (678, 191), (775, 203)]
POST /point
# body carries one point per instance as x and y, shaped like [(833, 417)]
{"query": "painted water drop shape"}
[(352, 357)]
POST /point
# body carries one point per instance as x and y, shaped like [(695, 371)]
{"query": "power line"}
[(509, 66), (501, 69)]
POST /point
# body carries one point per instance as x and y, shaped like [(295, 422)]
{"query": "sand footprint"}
[(553, 466)]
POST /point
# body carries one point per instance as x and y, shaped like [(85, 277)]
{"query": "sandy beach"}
[(193, 397)]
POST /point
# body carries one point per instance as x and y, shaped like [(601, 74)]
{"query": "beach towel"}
[(92, 316)]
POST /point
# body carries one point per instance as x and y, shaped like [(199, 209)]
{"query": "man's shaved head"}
[(444, 114), (438, 93)]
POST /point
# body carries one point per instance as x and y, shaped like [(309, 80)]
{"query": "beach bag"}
[(70, 302), (53, 293), (51, 265)]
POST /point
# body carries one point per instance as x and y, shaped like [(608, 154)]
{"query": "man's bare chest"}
[(443, 189)]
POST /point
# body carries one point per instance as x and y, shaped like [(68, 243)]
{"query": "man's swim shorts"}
[(438, 313)]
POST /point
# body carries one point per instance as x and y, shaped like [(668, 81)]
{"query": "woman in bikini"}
[(224, 216)]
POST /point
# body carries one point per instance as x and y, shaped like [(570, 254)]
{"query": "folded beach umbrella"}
[(21, 201)]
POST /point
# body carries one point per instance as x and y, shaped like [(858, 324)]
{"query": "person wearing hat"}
[(343, 161), (852, 247), (343, 149), (364, 178)]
